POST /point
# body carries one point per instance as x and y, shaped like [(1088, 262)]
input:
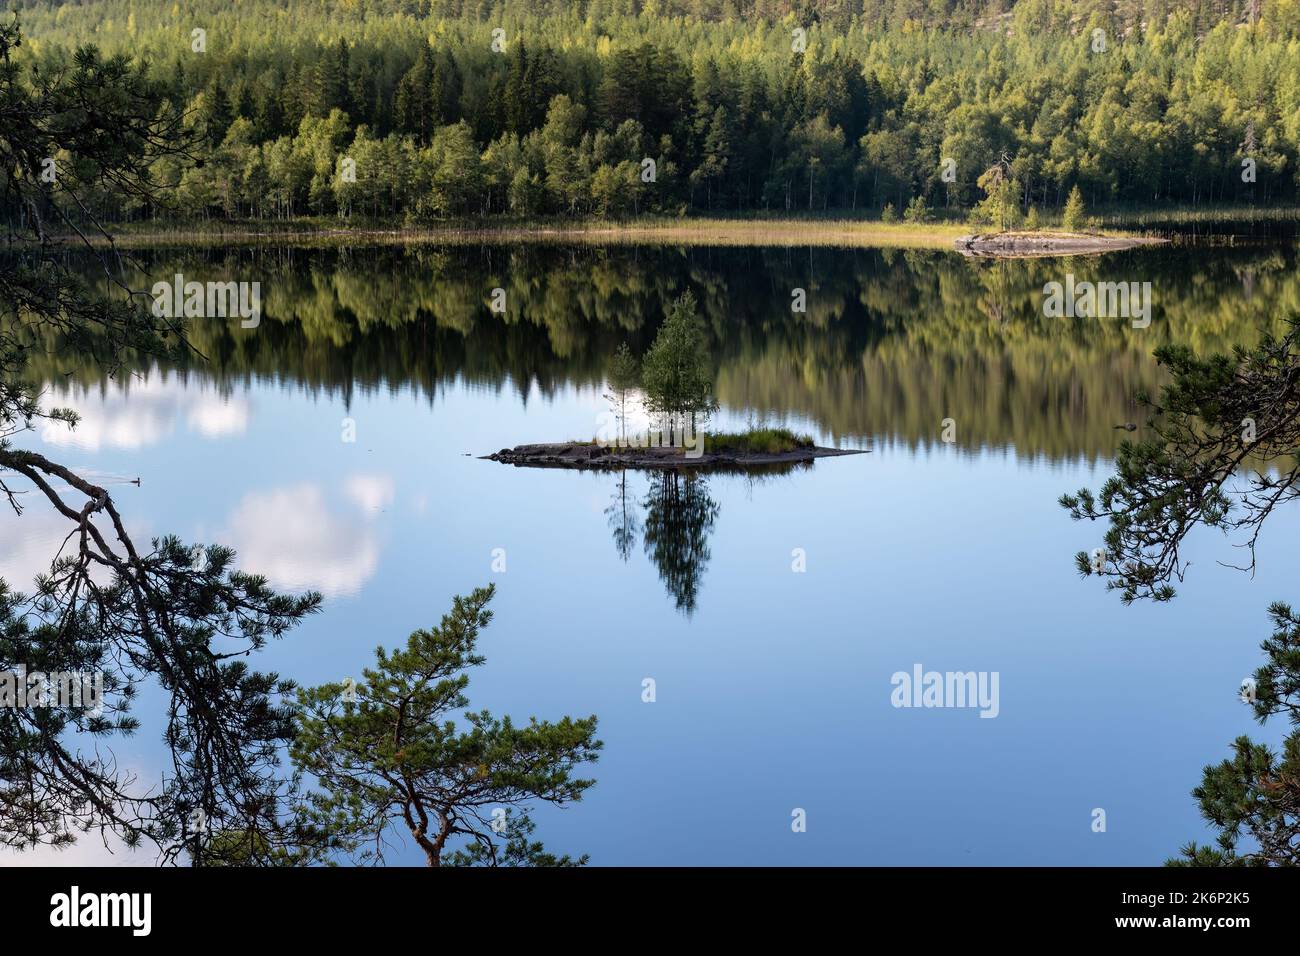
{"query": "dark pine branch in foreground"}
[(1224, 452), (1253, 798), (176, 616)]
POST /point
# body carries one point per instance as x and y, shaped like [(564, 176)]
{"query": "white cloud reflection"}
[(30, 542), (214, 416), (291, 536), (370, 492), (144, 411)]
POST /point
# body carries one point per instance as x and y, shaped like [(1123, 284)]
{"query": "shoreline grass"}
[(863, 233), (756, 230), (1154, 217)]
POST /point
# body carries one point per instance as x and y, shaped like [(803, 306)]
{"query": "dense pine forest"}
[(415, 111)]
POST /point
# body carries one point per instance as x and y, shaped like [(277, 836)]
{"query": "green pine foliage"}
[(1221, 452), (677, 372), (624, 378), (1253, 798), (1072, 218), (183, 620), (387, 753), (561, 120), (917, 210)]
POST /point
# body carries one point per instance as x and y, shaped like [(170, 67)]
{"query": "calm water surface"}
[(773, 687)]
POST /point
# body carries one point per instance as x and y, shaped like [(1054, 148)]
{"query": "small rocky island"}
[(757, 450), (673, 381), (1018, 245)]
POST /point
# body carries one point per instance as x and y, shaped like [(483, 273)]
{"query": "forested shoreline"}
[(422, 112)]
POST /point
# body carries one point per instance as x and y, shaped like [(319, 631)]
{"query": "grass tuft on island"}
[(756, 448), (760, 441)]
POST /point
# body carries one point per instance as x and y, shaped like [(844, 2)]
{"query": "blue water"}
[(773, 692)]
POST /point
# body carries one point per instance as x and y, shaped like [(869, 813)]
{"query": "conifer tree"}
[(387, 753), (1253, 797), (1222, 454), (180, 617), (1072, 218), (624, 377), (675, 373)]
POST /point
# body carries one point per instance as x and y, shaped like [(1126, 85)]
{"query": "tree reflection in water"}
[(623, 521), (679, 518)]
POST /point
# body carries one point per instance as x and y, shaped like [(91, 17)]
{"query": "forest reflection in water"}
[(891, 344)]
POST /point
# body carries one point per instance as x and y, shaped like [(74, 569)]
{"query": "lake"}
[(771, 611)]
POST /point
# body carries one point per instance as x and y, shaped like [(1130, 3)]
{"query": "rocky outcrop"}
[(599, 457), (1029, 244)]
